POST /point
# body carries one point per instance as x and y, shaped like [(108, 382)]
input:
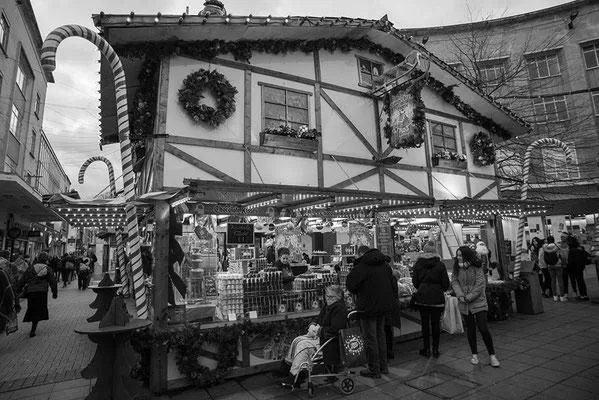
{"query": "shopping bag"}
[(12, 325), (452, 319), (353, 347)]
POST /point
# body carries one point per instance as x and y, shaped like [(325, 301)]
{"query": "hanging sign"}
[(238, 233), (402, 116)]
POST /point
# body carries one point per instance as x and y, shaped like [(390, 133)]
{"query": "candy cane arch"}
[(48, 61), (119, 241), (524, 190), (106, 161)]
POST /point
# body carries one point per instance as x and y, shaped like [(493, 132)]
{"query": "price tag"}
[(232, 317), (253, 314)]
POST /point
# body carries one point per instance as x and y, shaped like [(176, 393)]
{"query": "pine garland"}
[(242, 50), (187, 342)]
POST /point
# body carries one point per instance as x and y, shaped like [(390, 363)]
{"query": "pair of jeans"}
[(431, 323), (556, 280), (546, 286), (582, 286), (472, 321), (373, 329), (568, 273)]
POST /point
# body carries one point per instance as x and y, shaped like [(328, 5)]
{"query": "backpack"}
[(551, 258)]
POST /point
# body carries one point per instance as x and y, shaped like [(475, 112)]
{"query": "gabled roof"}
[(130, 29)]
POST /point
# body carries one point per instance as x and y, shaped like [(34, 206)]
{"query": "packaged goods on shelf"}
[(230, 293), (262, 292)]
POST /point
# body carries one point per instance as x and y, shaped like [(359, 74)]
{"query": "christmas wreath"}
[(483, 150), (191, 93)]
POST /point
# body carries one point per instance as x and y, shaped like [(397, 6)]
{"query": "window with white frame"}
[(595, 96), (21, 79), (591, 55), (4, 30), (492, 73), (543, 66), (368, 70), (551, 109), (15, 117), (556, 166), (284, 106), (444, 137)]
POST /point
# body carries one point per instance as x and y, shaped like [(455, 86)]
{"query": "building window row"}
[(15, 118), (557, 167), (591, 55), (4, 30), (283, 106), (550, 109), (492, 74), (595, 96), (543, 66), (443, 137)]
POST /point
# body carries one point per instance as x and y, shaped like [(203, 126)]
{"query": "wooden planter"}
[(456, 164), (286, 142)]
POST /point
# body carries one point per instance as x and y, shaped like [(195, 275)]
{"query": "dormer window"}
[(368, 70)]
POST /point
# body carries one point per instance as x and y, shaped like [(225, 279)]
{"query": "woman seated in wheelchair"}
[(332, 318)]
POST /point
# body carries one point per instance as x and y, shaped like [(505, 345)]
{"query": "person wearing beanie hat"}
[(430, 279)]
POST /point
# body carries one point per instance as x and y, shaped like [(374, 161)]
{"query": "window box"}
[(287, 142), (445, 163)]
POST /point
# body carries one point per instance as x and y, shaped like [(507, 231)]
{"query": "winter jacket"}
[(430, 280), (332, 319), (38, 278), (548, 248), (577, 258), (469, 282), (371, 280)]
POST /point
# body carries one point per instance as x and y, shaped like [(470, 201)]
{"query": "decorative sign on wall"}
[(402, 115), (384, 234), (238, 233), (360, 235)]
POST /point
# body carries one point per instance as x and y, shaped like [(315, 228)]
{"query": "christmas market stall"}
[(255, 135)]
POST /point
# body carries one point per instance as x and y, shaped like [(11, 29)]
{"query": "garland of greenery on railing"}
[(187, 342)]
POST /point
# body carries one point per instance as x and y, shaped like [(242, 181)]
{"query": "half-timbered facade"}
[(328, 89)]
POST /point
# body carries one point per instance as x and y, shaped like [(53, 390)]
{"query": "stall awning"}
[(17, 197), (99, 213), (224, 198), (589, 205)]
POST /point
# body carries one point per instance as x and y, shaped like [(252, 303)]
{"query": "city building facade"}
[(544, 65), (29, 167)]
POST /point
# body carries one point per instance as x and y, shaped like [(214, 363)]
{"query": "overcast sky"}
[(71, 114)]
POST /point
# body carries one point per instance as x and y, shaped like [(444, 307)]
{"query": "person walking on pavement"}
[(9, 301), (35, 284), (430, 280), (566, 273), (577, 261), (550, 254), (468, 282), (371, 280)]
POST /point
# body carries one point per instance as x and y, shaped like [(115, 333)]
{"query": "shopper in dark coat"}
[(577, 261), (371, 280), (431, 280), (35, 282)]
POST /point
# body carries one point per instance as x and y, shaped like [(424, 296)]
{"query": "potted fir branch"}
[(288, 138), (449, 159)]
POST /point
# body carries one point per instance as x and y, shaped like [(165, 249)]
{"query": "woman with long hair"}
[(468, 282), (577, 261), (35, 282)]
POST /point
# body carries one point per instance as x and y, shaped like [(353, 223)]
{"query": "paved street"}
[(549, 356), (57, 353)]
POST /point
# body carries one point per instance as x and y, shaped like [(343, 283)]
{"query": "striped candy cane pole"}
[(122, 267), (48, 60), (521, 248), (110, 172)]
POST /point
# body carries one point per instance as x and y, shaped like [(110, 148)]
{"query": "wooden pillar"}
[(502, 257), (158, 363)]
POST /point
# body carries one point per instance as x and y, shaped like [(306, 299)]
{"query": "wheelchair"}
[(317, 370)]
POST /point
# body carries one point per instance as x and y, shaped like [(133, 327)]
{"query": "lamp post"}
[(524, 191), (48, 60)]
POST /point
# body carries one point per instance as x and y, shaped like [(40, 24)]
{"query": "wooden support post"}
[(158, 371), (427, 154), (502, 257), (247, 126)]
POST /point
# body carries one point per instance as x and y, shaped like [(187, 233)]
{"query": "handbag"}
[(353, 347), (12, 325), (452, 319)]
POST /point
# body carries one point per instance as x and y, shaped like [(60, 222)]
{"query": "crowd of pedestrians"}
[(560, 265), (20, 279)]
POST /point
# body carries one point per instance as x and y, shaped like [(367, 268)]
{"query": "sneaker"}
[(369, 374), (474, 359), (564, 298), (555, 299), (494, 361)]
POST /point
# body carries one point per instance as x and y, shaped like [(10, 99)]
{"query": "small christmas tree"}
[(106, 290)]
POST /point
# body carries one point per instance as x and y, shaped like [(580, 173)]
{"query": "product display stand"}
[(106, 289), (114, 356)]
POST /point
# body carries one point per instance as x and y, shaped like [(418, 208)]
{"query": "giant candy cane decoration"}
[(120, 251), (106, 161), (48, 60), (524, 191)]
